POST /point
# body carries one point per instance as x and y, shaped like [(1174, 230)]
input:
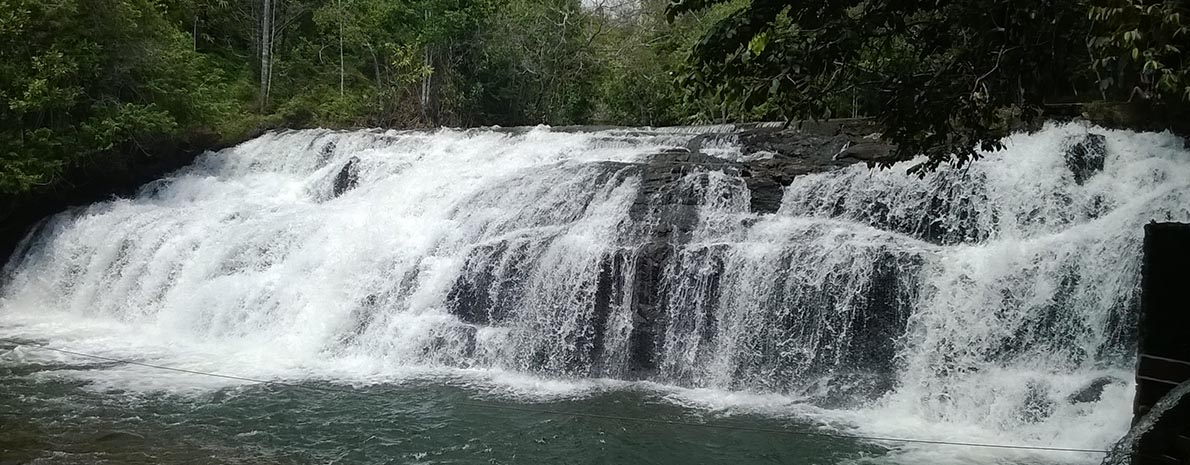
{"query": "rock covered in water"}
[(867, 152), (327, 151), (1085, 155), (1093, 391), (1037, 405), (347, 178), (850, 389), (676, 186), (770, 159), (812, 147)]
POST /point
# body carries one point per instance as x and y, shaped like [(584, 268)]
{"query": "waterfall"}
[(994, 301)]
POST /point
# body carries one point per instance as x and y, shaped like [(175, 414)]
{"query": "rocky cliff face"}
[(674, 186), (666, 211)]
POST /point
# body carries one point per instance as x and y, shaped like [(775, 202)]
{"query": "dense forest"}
[(85, 78)]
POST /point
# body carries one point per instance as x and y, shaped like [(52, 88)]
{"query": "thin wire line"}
[(572, 414)]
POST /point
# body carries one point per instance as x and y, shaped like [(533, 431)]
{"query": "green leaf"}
[(758, 43)]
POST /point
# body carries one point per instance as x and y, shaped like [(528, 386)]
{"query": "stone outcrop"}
[(665, 212), (1085, 155), (811, 148), (347, 178), (771, 159), (1093, 391)]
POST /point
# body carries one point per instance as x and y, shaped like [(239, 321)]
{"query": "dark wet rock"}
[(850, 389), (458, 340), (327, 151), (483, 294), (1085, 155), (884, 316), (666, 168), (867, 152), (648, 306), (667, 203), (674, 185), (812, 147), (773, 158), (610, 292), (1093, 390), (347, 178), (767, 193)]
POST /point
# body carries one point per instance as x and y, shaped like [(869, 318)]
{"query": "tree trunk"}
[(266, 52), (425, 87), (341, 78), (379, 80)]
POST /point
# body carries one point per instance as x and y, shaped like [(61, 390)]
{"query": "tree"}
[(1140, 46), (536, 64), (81, 77), (266, 51), (942, 78)]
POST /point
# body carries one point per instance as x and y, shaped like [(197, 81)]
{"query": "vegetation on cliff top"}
[(943, 78), (85, 79)]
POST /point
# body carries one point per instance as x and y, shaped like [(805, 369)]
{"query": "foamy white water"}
[(972, 305)]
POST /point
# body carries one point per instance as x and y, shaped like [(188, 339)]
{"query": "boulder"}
[(665, 213), (347, 178), (1085, 155), (327, 151), (869, 152), (810, 147), (1093, 390)]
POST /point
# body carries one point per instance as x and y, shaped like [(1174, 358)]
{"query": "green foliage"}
[(1140, 48), (943, 78), (79, 77), (90, 78), (639, 54), (534, 64)]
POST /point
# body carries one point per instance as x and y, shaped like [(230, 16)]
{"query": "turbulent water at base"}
[(1124, 450), (994, 303)]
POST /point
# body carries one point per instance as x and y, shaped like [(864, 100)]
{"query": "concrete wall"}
[(1164, 351)]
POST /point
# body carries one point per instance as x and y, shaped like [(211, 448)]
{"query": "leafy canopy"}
[(942, 77)]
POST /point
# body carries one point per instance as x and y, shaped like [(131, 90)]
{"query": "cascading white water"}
[(1035, 295), (975, 303)]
